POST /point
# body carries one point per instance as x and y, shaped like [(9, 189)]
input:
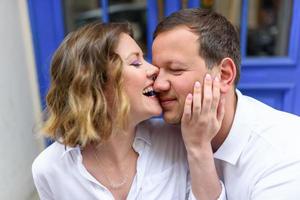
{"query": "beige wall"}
[(19, 102)]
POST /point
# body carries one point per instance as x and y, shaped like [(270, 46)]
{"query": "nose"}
[(152, 71), (161, 83)]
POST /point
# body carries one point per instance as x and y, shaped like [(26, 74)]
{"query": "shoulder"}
[(277, 129), (47, 159), (281, 131), (273, 146), (265, 113)]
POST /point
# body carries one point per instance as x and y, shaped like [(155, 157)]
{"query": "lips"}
[(149, 91), (165, 102)]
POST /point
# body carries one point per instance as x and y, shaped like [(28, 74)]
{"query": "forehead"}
[(126, 46), (179, 44), (178, 34)]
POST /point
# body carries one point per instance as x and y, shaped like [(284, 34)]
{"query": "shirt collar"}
[(68, 150), (142, 133), (239, 134), (142, 137)]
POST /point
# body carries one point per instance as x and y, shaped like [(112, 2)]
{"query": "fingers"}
[(207, 94), (203, 112), (187, 112), (197, 96), (201, 104), (216, 95)]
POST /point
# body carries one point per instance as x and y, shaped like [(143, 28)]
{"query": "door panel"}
[(270, 72), (269, 77)]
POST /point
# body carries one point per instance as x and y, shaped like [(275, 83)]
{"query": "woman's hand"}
[(203, 114), (200, 123)]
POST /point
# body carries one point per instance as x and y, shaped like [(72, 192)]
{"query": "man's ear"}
[(227, 74)]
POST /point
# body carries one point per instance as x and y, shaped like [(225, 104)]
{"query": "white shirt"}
[(260, 158), (162, 171)]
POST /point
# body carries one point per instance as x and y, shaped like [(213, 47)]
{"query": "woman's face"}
[(138, 76)]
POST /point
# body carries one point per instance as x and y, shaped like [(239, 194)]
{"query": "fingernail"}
[(208, 77), (217, 79), (197, 84), (189, 96)]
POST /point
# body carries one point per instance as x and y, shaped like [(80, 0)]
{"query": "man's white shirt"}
[(260, 158)]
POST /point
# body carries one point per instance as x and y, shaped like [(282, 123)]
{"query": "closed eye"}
[(177, 71), (136, 63)]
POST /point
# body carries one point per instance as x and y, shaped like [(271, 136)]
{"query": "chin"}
[(150, 114), (156, 113), (171, 119)]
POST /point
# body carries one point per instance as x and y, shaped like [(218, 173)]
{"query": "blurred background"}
[(31, 30)]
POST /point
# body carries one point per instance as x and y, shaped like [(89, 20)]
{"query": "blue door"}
[(271, 65), (269, 32)]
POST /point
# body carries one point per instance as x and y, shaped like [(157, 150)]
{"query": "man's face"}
[(176, 54)]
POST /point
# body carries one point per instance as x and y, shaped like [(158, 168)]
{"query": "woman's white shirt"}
[(162, 170)]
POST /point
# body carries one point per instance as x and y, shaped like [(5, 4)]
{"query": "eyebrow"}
[(132, 54), (176, 63)]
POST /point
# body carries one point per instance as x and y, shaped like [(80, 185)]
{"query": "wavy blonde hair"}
[(86, 99)]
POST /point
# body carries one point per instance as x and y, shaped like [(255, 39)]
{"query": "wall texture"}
[(19, 102)]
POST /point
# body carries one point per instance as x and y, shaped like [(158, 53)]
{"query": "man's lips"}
[(166, 101)]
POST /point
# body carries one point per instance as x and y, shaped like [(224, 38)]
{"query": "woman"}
[(101, 92)]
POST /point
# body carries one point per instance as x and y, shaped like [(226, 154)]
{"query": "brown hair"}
[(217, 36), (78, 109)]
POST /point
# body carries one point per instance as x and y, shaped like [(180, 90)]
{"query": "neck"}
[(230, 108), (113, 162), (117, 148)]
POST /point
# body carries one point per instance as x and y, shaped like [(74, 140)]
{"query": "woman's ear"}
[(227, 74)]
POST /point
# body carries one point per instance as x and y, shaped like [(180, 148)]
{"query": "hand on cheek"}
[(203, 113)]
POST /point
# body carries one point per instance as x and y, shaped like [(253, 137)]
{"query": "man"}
[(256, 151)]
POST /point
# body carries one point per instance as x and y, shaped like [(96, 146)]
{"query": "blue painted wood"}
[(105, 10), (294, 39), (58, 20), (152, 20), (47, 29), (276, 95), (267, 86), (268, 61), (171, 6), (243, 28), (296, 52), (274, 98), (194, 3), (273, 80), (47, 32), (289, 100)]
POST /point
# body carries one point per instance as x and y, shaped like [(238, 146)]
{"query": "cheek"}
[(184, 85), (131, 89), (133, 81)]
